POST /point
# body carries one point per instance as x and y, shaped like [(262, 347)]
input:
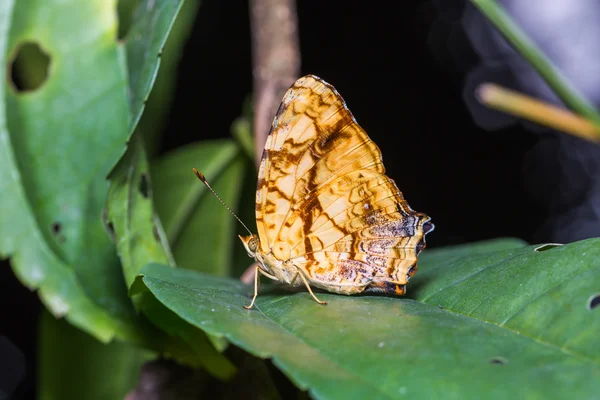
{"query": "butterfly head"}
[(251, 243)]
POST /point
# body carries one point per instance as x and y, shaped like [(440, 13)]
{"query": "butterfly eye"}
[(253, 245)]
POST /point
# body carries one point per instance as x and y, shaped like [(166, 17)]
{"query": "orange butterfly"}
[(327, 215)]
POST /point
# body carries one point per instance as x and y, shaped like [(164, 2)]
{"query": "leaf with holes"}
[(200, 230), (57, 145), (130, 217), (140, 239), (498, 318)]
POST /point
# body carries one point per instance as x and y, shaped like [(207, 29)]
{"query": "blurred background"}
[(408, 75)]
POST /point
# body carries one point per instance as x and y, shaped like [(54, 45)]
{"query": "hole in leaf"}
[(547, 246), (111, 228), (125, 11), (28, 70), (108, 225), (143, 188), (56, 228), (498, 360), (594, 301)]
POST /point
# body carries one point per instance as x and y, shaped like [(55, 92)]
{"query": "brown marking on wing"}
[(307, 226), (386, 287), (324, 203), (313, 125)]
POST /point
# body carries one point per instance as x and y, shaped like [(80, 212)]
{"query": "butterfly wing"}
[(298, 156), (367, 238), (323, 201)]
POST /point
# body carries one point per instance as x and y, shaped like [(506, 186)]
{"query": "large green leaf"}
[(199, 228), (136, 229), (59, 143), (513, 322), (140, 239), (540, 295), (57, 146)]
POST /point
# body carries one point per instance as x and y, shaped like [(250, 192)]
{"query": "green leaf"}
[(443, 255), (199, 228), (188, 344), (152, 22), (159, 102), (57, 147), (140, 239), (502, 323), (137, 230), (72, 363), (540, 295)]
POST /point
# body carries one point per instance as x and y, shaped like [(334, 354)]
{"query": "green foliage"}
[(130, 218), (140, 238), (51, 227), (145, 40), (199, 228), (479, 320), (132, 248)]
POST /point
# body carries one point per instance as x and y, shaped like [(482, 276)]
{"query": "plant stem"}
[(520, 105), (276, 60), (525, 46)]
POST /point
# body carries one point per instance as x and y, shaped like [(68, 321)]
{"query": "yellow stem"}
[(520, 105)]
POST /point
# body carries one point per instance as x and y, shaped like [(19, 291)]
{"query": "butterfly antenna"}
[(200, 176)]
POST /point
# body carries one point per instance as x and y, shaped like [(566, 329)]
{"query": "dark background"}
[(407, 98), (402, 72)]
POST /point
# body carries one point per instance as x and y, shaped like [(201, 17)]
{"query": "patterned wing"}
[(323, 200), (313, 135), (363, 237)]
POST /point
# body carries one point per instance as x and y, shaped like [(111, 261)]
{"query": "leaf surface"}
[(144, 43), (57, 147), (140, 239), (199, 227), (59, 142), (502, 323)]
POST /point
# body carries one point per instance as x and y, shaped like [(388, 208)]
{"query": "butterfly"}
[(326, 213)]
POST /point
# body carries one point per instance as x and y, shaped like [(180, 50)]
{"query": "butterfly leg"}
[(258, 270), (309, 289), (294, 279)]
